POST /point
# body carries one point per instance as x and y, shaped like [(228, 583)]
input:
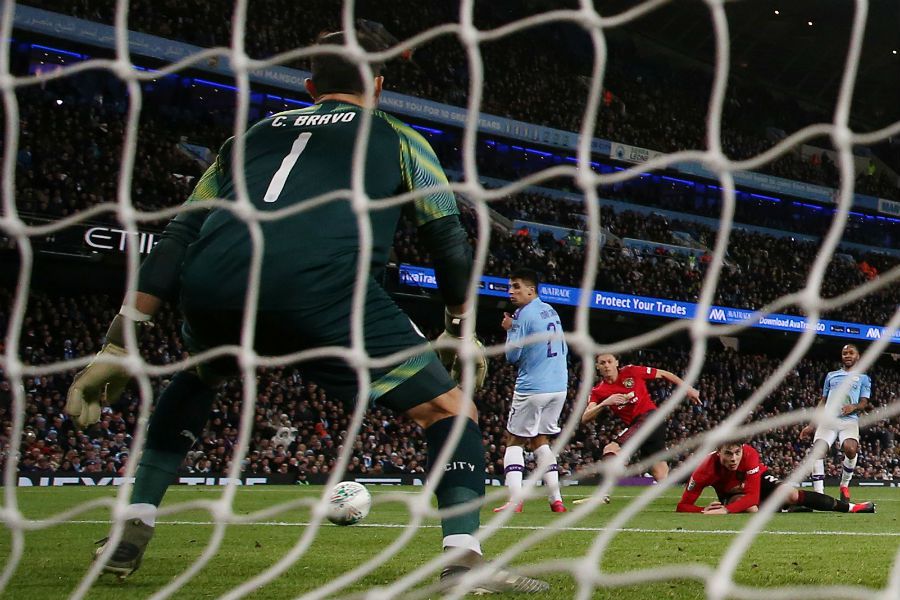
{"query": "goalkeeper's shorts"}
[(399, 385)]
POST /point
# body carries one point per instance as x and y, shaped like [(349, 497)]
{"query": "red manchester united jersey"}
[(631, 380), (747, 478)]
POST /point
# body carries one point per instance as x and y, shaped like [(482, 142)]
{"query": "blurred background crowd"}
[(658, 233)]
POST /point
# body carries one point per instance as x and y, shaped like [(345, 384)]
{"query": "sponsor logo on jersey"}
[(753, 470), (629, 382)]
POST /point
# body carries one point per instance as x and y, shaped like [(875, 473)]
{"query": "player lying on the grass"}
[(309, 269), (738, 476), (624, 391)]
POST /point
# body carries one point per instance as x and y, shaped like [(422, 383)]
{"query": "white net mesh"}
[(718, 582)]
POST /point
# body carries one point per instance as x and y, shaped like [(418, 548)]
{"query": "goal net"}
[(31, 216)]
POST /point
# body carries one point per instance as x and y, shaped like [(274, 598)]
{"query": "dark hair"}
[(333, 73), (731, 444), (529, 276), (854, 346)]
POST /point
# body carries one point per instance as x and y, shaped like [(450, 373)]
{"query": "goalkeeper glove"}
[(101, 383), (453, 325)]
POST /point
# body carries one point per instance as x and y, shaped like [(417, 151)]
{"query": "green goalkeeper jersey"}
[(308, 258)]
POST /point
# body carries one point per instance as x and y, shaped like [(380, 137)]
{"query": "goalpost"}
[(718, 582)]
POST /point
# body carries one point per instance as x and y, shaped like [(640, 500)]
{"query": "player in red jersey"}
[(624, 391), (741, 483)]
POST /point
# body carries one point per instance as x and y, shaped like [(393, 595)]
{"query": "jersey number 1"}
[(281, 175)]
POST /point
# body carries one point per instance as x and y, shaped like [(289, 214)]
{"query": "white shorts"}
[(846, 429), (531, 415)]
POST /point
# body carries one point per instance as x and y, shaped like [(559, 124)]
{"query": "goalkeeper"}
[(309, 269)]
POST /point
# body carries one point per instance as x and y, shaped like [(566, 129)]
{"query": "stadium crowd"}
[(759, 267), (647, 103), (298, 430), (62, 169), (69, 156)]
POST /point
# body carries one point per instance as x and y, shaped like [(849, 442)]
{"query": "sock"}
[(849, 468), (462, 540), (818, 476), (144, 512), (514, 468), (178, 419), (817, 501), (463, 479), (550, 471)]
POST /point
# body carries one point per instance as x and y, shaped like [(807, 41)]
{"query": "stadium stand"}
[(63, 169)]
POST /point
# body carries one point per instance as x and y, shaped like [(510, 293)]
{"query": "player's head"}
[(523, 286), (849, 356), (337, 74), (608, 366), (730, 454)]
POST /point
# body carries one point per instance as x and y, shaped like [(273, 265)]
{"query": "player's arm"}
[(865, 393), (692, 393), (442, 233), (518, 330), (810, 429), (103, 381), (590, 412), (597, 403), (750, 499), (691, 494)]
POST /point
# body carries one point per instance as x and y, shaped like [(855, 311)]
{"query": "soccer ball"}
[(349, 503)]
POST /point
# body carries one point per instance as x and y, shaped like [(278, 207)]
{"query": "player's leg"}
[(462, 475), (548, 425), (849, 439), (521, 428), (610, 451), (653, 444), (817, 501), (513, 469), (810, 500), (822, 442), (176, 423), (422, 388)]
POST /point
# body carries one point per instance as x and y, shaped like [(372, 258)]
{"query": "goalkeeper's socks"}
[(176, 423), (849, 466), (462, 477), (550, 470), (144, 511), (817, 501), (818, 476), (155, 473), (514, 468), (462, 540)]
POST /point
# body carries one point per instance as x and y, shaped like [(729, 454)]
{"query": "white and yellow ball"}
[(348, 503)]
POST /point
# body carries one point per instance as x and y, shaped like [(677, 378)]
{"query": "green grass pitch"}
[(795, 549)]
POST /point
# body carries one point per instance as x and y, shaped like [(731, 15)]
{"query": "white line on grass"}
[(527, 528)]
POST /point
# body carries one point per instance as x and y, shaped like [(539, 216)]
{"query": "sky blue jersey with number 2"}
[(542, 365)]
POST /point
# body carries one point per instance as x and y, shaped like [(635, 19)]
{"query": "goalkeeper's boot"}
[(499, 581), (557, 506), (126, 557), (862, 507), (844, 493), (510, 506)]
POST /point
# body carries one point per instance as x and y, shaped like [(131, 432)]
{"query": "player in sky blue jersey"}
[(847, 399), (541, 386)]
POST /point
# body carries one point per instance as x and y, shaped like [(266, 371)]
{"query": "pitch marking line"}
[(528, 528)]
